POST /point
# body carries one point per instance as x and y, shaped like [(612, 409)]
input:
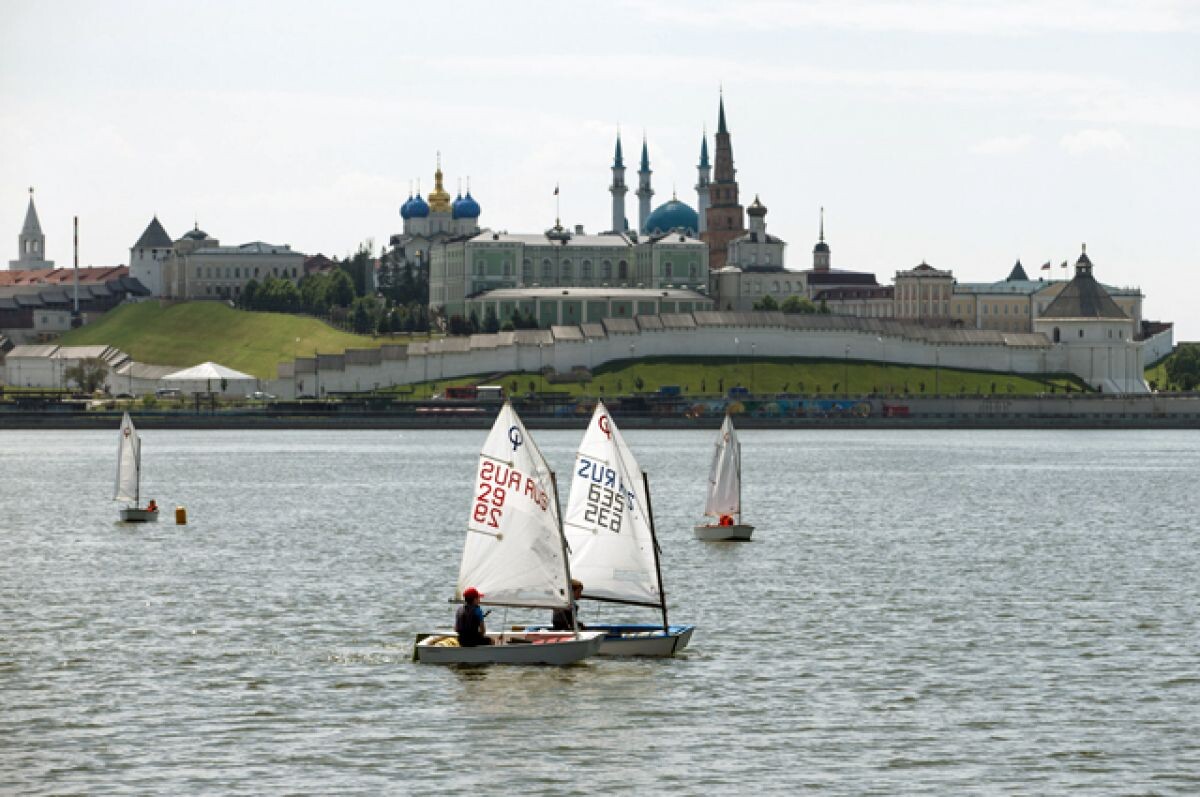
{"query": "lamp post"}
[(737, 358), (846, 372), (753, 348), (937, 370)]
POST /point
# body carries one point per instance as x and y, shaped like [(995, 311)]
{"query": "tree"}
[(794, 305), (249, 293), (491, 323), (314, 294), (1183, 368), (359, 267), (766, 303), (89, 374), (341, 289)]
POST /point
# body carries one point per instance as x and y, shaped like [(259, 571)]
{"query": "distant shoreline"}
[(1110, 412)]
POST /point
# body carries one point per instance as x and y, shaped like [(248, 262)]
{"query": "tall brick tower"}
[(724, 220)]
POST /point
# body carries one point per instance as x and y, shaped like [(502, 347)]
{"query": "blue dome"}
[(406, 208), (466, 208), (418, 208), (672, 215)]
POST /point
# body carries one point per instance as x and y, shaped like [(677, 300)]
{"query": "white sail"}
[(607, 521), (514, 551), (129, 462), (725, 475)]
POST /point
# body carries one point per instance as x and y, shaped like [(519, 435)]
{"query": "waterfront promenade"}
[(1074, 411)]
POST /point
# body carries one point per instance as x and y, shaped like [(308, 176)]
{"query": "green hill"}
[(191, 333), (763, 376)]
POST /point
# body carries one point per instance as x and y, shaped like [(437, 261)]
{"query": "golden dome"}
[(439, 198)]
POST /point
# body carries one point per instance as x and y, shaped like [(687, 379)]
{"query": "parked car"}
[(259, 395), (168, 392)]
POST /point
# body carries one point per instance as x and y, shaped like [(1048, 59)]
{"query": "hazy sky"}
[(965, 134)]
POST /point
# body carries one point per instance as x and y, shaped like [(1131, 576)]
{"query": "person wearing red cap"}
[(468, 622)]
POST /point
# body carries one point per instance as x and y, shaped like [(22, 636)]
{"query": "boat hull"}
[(132, 515), (638, 640), (525, 647), (643, 640), (713, 532)]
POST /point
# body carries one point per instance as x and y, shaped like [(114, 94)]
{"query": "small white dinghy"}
[(515, 554), (129, 475), (724, 502), (609, 527)]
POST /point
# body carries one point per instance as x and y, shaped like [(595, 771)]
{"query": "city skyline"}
[(923, 137)]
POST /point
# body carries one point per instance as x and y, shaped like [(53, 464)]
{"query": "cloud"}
[(1086, 142), (1002, 145), (978, 17)]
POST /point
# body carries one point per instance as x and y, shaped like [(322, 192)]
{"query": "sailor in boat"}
[(565, 619), (152, 506), (468, 622), (726, 520)]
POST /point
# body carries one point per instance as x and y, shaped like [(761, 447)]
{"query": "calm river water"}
[(920, 613)]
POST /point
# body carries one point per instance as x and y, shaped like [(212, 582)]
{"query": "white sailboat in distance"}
[(129, 476), (724, 501), (514, 555)]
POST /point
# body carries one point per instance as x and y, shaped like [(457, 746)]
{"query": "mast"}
[(137, 468), (738, 453), (662, 595), (566, 554)]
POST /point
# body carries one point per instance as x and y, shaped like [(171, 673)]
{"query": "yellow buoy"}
[(180, 516)]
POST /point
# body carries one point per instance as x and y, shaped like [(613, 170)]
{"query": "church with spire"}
[(31, 243), (434, 220)]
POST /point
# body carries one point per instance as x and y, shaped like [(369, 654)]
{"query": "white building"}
[(197, 266), (1096, 337)]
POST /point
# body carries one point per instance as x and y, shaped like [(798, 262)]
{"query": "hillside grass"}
[(190, 333), (768, 376)]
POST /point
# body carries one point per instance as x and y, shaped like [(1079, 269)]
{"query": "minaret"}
[(821, 250), (618, 189), (644, 191), (725, 221), (703, 171), (31, 243)]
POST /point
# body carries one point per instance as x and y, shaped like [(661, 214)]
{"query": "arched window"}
[(527, 271), (547, 272), (667, 269), (775, 287), (606, 270), (507, 267), (1081, 333), (565, 271), (692, 271), (622, 270), (587, 271)]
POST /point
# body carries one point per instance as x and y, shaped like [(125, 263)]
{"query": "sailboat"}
[(515, 555), (129, 475), (609, 526), (724, 502)]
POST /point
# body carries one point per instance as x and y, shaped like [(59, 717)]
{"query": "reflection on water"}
[(919, 612)]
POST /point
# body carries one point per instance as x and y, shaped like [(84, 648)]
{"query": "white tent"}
[(206, 377)]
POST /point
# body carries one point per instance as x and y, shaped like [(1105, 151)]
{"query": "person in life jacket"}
[(565, 619), (468, 622), (152, 506), (726, 520)]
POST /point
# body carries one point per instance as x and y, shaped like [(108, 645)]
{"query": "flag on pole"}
[(1046, 266), (556, 189)]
